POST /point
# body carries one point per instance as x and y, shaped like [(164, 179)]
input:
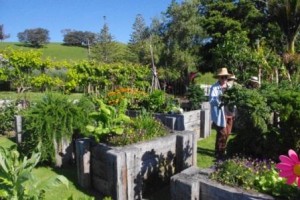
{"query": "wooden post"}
[(83, 158), (18, 128)]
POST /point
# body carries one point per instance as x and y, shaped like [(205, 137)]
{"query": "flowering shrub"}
[(134, 97), (253, 174), (157, 101)]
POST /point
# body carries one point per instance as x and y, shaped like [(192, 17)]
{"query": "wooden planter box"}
[(193, 184), (195, 120), (134, 171)]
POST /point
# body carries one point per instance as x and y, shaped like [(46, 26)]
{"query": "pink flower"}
[(290, 167)]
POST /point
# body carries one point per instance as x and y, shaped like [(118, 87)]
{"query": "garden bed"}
[(134, 171), (194, 120), (193, 184)]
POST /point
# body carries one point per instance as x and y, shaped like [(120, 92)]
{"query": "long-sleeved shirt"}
[(217, 109)]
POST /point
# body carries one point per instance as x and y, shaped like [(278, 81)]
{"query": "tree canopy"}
[(34, 37)]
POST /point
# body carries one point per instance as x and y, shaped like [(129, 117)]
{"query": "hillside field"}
[(55, 51)]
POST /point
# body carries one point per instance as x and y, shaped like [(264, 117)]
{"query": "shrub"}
[(133, 95), (251, 122), (254, 174), (160, 102), (285, 104), (7, 114), (52, 119), (195, 95)]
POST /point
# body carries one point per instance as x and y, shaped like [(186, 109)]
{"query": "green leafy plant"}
[(251, 122), (160, 102), (16, 179), (143, 127), (52, 119), (195, 95), (7, 113), (108, 119), (254, 174)]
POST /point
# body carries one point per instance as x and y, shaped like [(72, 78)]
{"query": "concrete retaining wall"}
[(193, 184), (134, 171)]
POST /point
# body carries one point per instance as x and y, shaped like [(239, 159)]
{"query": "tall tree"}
[(138, 42), (183, 37), (106, 49), (3, 36)]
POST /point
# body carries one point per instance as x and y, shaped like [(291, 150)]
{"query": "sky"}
[(80, 15)]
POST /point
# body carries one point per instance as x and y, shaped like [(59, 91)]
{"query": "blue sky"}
[(81, 15)]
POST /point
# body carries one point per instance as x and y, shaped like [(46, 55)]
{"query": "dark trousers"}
[(222, 136)]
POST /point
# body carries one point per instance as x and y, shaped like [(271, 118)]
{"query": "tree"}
[(34, 37), (138, 40), (20, 66), (287, 14), (3, 36), (183, 37), (105, 49), (78, 38)]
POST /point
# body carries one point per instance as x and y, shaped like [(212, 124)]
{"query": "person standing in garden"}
[(253, 83), (231, 81), (221, 120)]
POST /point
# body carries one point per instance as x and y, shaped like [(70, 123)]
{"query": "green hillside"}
[(56, 51)]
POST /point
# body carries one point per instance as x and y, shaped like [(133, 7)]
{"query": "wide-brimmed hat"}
[(254, 79), (222, 72), (232, 77)]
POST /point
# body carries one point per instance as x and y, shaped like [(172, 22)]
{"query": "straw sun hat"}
[(232, 77), (222, 72)]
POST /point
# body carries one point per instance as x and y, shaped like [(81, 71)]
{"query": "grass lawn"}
[(31, 96), (60, 191), (44, 173), (55, 51), (206, 151)]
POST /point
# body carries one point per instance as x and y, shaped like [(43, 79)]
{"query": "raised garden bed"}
[(134, 171), (193, 184), (195, 120)]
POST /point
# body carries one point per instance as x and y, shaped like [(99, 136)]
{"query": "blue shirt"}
[(217, 111)]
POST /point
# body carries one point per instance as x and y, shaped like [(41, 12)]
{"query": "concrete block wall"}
[(132, 171)]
